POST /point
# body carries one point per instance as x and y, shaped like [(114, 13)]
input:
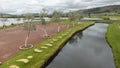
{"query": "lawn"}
[(37, 56), (113, 38)]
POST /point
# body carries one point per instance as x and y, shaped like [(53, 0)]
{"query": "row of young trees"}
[(56, 17), (29, 25)]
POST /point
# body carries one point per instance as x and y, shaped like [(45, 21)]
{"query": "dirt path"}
[(12, 38)]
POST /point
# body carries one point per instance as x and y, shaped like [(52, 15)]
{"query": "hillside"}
[(105, 9), (7, 15)]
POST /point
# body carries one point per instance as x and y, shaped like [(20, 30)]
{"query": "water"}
[(92, 19), (14, 20), (87, 49), (10, 21)]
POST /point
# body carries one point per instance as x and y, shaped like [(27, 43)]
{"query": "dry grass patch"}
[(37, 50), (44, 47), (23, 60), (49, 45), (14, 66), (30, 57)]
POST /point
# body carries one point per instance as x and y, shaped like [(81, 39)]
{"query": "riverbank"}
[(113, 38), (37, 56), (87, 48)]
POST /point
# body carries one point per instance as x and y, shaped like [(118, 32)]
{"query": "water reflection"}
[(88, 49), (75, 38)]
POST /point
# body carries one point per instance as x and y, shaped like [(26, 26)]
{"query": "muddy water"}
[(87, 49)]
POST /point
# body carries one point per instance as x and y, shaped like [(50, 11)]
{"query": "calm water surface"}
[(91, 19), (87, 49), (14, 20)]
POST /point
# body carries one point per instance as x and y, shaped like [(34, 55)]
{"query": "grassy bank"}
[(37, 56), (113, 38)]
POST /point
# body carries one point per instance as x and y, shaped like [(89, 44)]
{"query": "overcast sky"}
[(34, 6)]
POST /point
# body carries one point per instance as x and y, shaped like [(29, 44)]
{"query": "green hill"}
[(105, 9)]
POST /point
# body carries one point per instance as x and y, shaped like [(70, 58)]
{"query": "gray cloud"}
[(87, 0), (34, 6)]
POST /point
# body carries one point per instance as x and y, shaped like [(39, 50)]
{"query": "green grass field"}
[(113, 37), (65, 22), (37, 56)]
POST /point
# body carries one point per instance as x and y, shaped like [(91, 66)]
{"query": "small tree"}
[(71, 17), (78, 16), (43, 13), (56, 18), (28, 26)]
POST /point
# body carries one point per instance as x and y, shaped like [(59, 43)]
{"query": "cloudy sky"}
[(34, 6)]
